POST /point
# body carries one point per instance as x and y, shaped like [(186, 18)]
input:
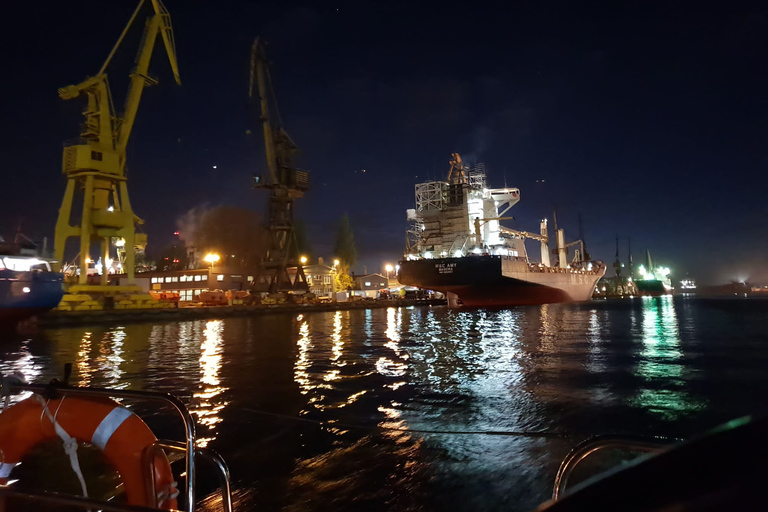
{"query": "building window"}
[(167, 279), (236, 277), (220, 277), (97, 155), (183, 279), (154, 280), (327, 279), (198, 277), (382, 285), (367, 283), (250, 279), (175, 279)]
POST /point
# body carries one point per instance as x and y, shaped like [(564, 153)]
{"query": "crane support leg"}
[(63, 229)]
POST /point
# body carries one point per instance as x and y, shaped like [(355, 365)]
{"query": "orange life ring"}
[(117, 432)]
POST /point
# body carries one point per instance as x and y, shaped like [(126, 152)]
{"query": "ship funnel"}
[(562, 252), (544, 244)]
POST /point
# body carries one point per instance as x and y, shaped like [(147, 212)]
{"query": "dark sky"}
[(650, 119)]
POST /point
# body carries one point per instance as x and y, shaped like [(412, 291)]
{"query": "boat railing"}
[(187, 448), (596, 444)]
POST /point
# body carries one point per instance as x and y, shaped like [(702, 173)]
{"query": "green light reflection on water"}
[(661, 365)]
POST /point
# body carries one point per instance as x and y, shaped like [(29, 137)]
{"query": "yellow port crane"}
[(278, 270), (95, 162)]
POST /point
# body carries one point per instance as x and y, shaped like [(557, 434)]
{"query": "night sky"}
[(651, 120)]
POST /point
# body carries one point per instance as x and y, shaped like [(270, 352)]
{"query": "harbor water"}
[(420, 408)]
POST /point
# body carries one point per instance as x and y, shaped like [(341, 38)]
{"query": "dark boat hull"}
[(25, 294), (479, 282), (652, 287)]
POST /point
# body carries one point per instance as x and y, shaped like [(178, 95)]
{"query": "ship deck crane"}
[(278, 270), (95, 162)]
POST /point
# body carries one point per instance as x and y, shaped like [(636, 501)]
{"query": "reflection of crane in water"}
[(278, 270)]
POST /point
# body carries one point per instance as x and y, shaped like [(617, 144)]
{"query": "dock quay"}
[(66, 318)]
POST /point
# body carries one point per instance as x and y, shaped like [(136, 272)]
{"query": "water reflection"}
[(623, 366), (661, 365), (110, 358), (387, 366), (84, 359), (207, 409)]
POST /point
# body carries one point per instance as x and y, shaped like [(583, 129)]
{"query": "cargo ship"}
[(28, 286), (653, 281), (458, 246)]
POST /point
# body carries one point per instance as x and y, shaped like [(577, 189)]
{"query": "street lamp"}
[(303, 260), (336, 263), (211, 258), (389, 268)]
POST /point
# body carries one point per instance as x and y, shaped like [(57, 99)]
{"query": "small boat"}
[(28, 286), (79, 416)]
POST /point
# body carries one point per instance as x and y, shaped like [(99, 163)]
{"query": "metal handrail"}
[(211, 456), (189, 424), (595, 444)]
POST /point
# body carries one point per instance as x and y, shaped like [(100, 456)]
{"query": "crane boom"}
[(95, 162)]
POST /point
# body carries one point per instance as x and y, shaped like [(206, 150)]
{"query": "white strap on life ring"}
[(108, 425), (69, 442)]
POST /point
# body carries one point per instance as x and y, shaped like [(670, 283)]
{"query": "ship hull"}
[(496, 281), (652, 287), (26, 294)]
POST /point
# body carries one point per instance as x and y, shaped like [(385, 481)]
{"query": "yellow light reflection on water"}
[(83, 359), (207, 409), (300, 367), (338, 343), (110, 358)]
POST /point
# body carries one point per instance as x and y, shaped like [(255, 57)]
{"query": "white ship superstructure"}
[(458, 224)]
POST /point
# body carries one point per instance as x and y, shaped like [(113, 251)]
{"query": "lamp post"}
[(211, 258), (389, 268)]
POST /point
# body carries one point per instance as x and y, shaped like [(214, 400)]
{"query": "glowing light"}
[(428, 255), (476, 250), (303, 260), (120, 242), (389, 268), (211, 258), (336, 263), (23, 264), (111, 209), (458, 254), (26, 289)]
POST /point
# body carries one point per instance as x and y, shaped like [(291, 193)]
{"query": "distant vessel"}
[(458, 246), (652, 280), (28, 287), (688, 286)]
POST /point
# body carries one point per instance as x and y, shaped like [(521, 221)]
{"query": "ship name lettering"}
[(445, 268)]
